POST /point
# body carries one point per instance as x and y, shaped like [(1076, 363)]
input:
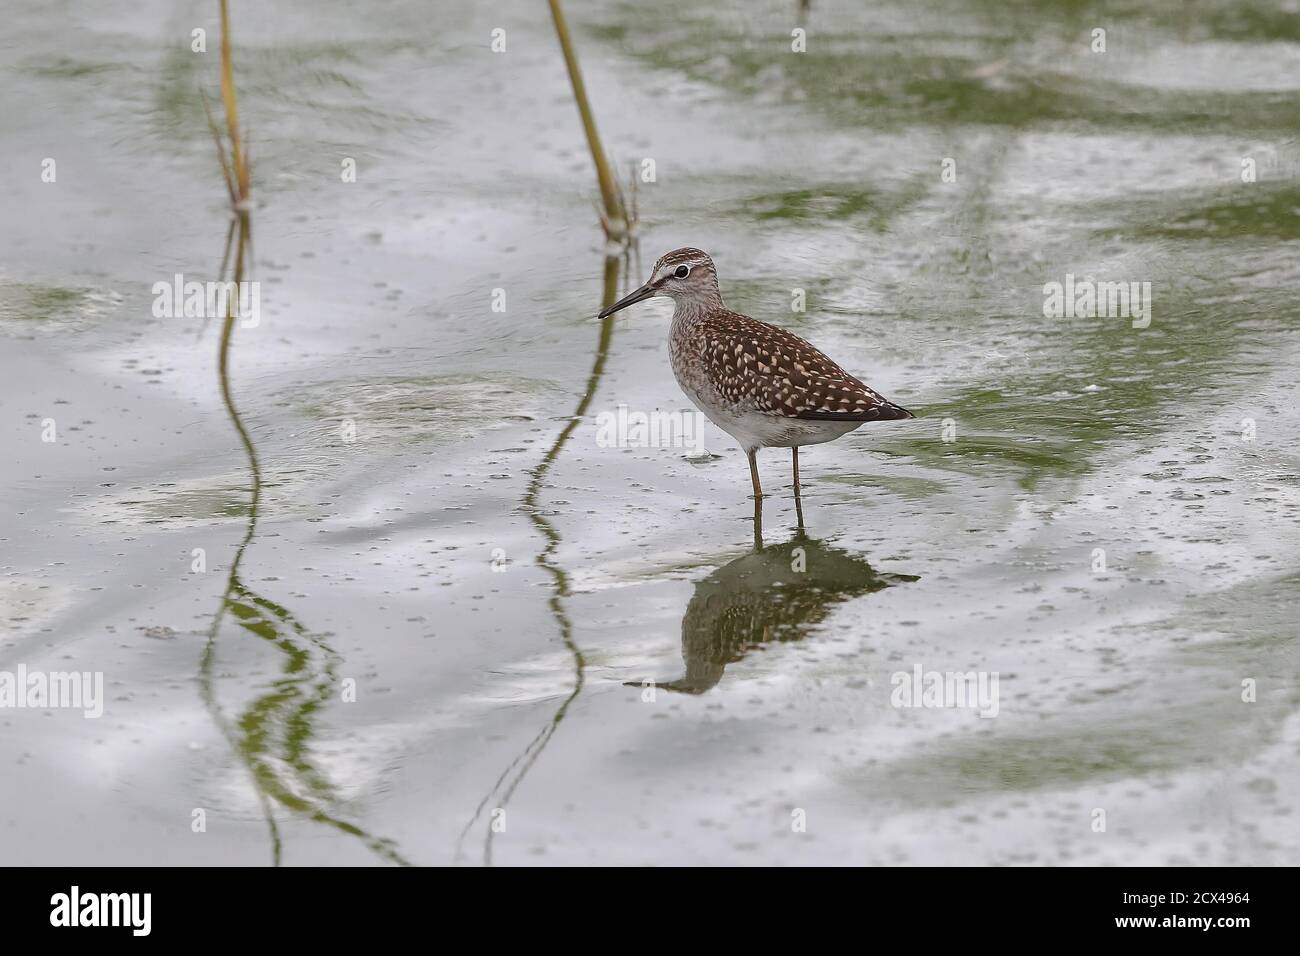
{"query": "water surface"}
[(499, 586)]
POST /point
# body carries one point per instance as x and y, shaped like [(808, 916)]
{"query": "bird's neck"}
[(688, 310)]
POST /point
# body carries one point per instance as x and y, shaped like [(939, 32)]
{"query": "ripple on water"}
[(413, 411)]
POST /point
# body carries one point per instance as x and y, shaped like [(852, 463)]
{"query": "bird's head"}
[(684, 275)]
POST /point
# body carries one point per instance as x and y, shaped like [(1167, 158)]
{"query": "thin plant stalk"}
[(615, 218), (237, 158), (273, 734)]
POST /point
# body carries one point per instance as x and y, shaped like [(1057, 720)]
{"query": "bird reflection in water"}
[(780, 592)]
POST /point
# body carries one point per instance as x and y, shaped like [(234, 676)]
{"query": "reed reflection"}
[(273, 733), (615, 268)]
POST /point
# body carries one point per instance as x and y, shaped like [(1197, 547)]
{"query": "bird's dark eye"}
[(682, 272)]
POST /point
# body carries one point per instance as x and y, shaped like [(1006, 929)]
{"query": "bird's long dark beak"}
[(632, 298)]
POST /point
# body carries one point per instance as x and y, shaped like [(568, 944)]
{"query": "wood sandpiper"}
[(762, 385)]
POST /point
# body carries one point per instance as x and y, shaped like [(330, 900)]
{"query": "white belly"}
[(754, 429)]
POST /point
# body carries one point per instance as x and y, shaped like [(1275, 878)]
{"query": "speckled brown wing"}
[(775, 371)]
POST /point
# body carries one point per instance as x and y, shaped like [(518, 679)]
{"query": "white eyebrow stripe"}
[(671, 267)]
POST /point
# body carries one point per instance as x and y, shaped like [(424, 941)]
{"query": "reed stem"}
[(238, 159), (615, 220)]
